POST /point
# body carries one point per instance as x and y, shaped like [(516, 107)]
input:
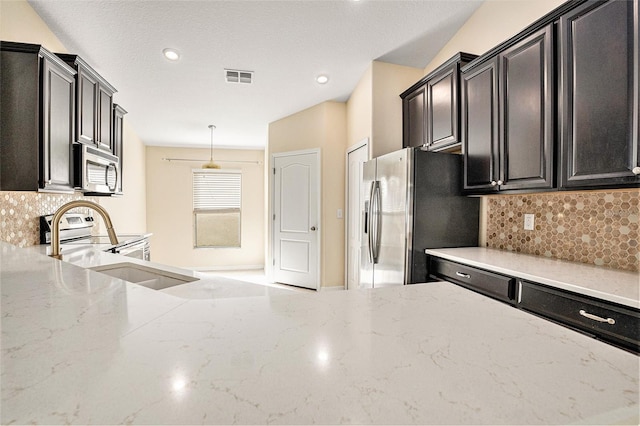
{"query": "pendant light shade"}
[(211, 164)]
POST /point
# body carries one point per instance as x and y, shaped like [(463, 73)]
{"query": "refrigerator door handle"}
[(378, 216), (368, 217)]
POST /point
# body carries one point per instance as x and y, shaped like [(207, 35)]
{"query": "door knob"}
[(313, 228)]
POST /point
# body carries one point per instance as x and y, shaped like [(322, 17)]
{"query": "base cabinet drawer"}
[(608, 321), (489, 283)]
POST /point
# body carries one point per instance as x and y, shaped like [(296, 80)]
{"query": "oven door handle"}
[(114, 167)]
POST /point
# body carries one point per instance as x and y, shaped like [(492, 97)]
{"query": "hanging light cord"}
[(212, 127), (211, 164)]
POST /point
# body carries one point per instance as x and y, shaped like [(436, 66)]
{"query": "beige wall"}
[(388, 81), (360, 109), (19, 22), (374, 109), (170, 213), (323, 126), (129, 211), (491, 24)]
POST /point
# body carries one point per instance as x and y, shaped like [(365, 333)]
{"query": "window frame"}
[(204, 211)]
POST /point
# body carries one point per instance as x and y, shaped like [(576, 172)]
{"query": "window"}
[(216, 207)]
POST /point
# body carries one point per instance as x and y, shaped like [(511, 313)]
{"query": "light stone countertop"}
[(79, 347), (614, 285)]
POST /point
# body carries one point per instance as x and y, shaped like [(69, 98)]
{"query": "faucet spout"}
[(57, 217)]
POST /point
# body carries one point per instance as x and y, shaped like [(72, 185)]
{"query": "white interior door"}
[(356, 156), (296, 219)]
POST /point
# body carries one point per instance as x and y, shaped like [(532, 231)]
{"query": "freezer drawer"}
[(494, 285), (610, 322)]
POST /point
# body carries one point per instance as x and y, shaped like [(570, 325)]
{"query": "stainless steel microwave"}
[(95, 172)]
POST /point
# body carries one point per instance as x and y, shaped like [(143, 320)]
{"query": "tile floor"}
[(232, 285), (255, 276)]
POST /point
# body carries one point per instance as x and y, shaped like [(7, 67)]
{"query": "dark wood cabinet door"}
[(86, 117), (480, 127), (442, 109), (413, 112), (599, 89), (118, 142), (608, 321), (58, 91), (105, 120), (527, 113)]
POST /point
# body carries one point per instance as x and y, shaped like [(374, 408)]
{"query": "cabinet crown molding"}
[(75, 60), (12, 46), (547, 19), (461, 57)]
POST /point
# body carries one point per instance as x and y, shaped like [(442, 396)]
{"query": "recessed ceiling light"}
[(322, 79), (171, 54)]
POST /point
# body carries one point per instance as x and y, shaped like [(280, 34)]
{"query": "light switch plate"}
[(339, 214), (529, 222)]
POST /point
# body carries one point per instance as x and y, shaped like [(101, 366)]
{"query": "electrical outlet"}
[(528, 222)]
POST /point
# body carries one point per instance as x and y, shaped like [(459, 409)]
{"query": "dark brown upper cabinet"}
[(118, 141), (414, 118), (94, 98), (479, 119), (527, 111), (37, 119), (507, 118), (431, 107), (599, 92), (86, 100), (565, 112)]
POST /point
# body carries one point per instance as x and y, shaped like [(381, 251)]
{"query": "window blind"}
[(216, 190)]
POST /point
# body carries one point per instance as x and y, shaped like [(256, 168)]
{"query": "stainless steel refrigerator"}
[(412, 201)]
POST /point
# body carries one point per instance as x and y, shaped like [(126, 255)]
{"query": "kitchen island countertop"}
[(81, 347)]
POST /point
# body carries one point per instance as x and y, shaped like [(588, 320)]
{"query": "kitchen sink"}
[(146, 276)]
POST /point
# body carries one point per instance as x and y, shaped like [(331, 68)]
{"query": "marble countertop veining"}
[(614, 285), (79, 347)]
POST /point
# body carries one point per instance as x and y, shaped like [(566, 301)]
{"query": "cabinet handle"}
[(494, 183), (596, 318), (500, 182), (636, 171), (463, 275)]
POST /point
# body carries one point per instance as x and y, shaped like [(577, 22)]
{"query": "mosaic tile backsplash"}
[(599, 228), (20, 214)]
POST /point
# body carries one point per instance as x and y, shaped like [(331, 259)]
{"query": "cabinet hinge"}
[(274, 216), (274, 170)]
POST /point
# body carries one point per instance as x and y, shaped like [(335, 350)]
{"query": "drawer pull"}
[(596, 318), (463, 275)]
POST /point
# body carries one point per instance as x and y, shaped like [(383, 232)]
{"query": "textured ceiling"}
[(286, 43)]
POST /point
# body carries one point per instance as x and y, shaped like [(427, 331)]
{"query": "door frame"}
[(363, 143), (272, 196)]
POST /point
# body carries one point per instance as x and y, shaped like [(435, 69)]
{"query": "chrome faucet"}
[(57, 217)]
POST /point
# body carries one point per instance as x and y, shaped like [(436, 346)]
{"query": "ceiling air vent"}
[(237, 76)]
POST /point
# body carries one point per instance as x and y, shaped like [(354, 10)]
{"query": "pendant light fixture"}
[(211, 164)]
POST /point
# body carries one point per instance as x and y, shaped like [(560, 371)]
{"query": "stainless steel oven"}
[(76, 228), (139, 249), (95, 172)]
